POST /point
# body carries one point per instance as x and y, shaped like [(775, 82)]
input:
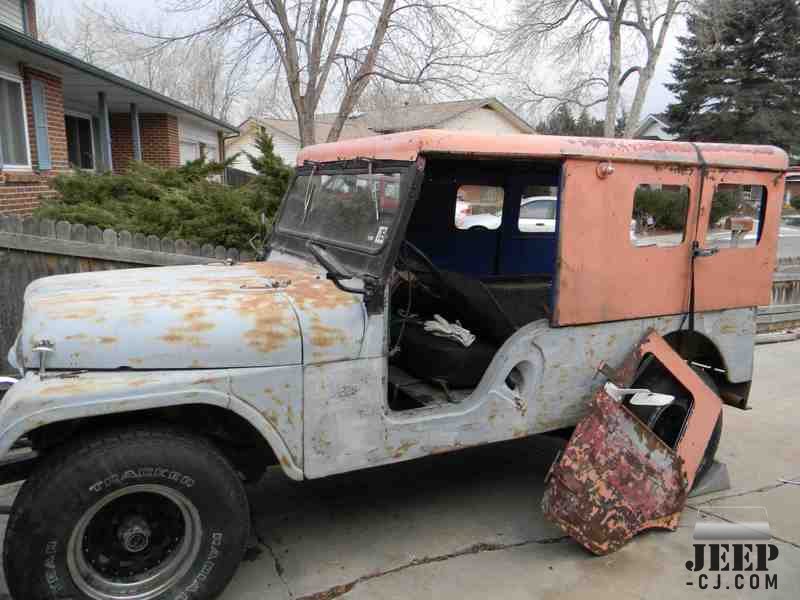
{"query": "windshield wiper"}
[(335, 271)]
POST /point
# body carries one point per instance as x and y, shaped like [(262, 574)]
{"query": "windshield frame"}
[(350, 167)]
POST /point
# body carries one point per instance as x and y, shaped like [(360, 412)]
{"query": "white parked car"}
[(463, 210), (537, 214)]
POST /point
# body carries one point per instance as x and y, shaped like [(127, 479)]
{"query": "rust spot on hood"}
[(274, 324), (323, 336), (307, 288)]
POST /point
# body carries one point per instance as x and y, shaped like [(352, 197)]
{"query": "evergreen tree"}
[(588, 126), (622, 122), (562, 122), (738, 75), (273, 173)]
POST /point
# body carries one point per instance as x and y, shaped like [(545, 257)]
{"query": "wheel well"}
[(241, 443), (697, 348)]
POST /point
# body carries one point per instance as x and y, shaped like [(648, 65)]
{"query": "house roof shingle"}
[(402, 118)]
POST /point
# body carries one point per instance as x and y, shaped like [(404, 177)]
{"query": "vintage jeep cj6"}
[(148, 395)]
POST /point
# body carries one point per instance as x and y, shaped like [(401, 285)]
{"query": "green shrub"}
[(174, 203), (723, 205), (667, 207)]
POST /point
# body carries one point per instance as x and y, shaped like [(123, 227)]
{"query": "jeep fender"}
[(33, 402)]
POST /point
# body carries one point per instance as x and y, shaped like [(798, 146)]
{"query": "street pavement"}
[(789, 246), (468, 525), (788, 240)]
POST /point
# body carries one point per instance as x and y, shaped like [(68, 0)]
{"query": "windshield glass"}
[(352, 209)]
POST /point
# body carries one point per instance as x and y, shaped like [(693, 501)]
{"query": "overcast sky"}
[(657, 99)]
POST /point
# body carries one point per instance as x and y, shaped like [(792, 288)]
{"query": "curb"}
[(774, 338)]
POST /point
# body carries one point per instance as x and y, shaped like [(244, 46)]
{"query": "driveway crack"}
[(340, 590), (278, 567), (708, 507), (761, 490)]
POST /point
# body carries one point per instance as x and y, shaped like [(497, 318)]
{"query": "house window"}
[(13, 131), (80, 141)]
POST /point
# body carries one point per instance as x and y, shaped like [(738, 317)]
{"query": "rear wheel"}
[(139, 514)]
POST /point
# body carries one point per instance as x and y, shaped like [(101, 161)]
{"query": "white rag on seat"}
[(452, 331)]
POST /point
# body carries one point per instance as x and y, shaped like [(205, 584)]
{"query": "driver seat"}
[(442, 360)]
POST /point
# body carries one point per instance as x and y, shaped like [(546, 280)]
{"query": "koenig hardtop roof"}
[(411, 144)]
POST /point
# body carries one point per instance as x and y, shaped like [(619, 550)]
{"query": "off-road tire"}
[(127, 463)]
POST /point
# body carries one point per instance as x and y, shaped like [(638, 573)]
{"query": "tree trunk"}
[(306, 125), (635, 114), (359, 82), (614, 73)]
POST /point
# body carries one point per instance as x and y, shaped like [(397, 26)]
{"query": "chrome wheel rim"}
[(134, 544)]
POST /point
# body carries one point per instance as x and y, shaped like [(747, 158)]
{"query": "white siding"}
[(11, 14), (285, 147), (240, 146), (197, 132), (656, 131), (194, 133), (482, 119)]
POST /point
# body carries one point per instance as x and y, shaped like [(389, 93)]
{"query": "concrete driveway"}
[(468, 525)]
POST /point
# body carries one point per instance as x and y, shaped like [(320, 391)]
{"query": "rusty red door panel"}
[(616, 478)]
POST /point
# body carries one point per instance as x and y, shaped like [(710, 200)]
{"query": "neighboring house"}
[(58, 113), (482, 114), (654, 127)]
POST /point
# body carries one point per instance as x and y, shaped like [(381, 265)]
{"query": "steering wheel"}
[(429, 275)]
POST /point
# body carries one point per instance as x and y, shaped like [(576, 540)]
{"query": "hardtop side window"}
[(479, 206), (537, 210), (659, 215), (737, 214), (13, 134)]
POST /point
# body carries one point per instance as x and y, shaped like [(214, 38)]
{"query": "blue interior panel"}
[(483, 253)]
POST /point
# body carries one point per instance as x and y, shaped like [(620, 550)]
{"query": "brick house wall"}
[(121, 141), (159, 137), (22, 192), (56, 130), (160, 140)]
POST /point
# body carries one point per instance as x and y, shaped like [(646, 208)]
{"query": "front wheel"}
[(139, 513)]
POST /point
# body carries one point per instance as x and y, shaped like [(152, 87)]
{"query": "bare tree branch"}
[(568, 33)]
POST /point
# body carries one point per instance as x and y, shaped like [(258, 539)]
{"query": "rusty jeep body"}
[(319, 358)]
